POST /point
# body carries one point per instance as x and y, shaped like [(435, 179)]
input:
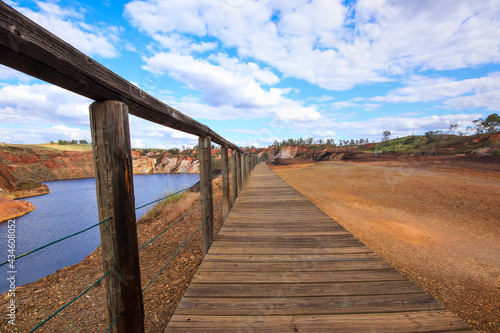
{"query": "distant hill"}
[(429, 144)]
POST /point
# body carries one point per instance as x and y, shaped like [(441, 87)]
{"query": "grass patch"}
[(170, 208)]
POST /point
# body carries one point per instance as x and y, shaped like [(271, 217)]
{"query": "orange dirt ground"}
[(435, 219)]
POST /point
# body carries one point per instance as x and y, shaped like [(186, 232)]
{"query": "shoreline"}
[(10, 208), (13, 204)]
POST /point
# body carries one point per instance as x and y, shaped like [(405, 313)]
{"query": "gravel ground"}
[(435, 219), (38, 300)]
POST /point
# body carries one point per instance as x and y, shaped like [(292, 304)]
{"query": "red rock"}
[(495, 137), (10, 209)]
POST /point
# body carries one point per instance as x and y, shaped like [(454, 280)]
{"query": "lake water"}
[(70, 207)]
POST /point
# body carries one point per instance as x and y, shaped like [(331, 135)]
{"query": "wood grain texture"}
[(115, 197), (234, 177), (238, 171), (226, 195), (280, 264), (206, 194)]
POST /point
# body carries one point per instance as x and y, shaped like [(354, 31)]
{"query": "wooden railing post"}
[(234, 175), (244, 167), (239, 170), (115, 198), (226, 195), (207, 207)]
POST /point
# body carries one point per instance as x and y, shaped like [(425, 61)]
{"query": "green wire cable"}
[(74, 299), (170, 226), (218, 204), (112, 324), (168, 196), (172, 258), (57, 241)]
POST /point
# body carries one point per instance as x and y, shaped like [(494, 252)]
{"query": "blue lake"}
[(70, 207)]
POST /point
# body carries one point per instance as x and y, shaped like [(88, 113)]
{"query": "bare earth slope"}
[(437, 220)]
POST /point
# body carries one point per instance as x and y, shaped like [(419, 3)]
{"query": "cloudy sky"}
[(259, 71)]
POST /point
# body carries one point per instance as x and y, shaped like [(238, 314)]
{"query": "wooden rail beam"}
[(29, 48), (115, 197), (207, 207)]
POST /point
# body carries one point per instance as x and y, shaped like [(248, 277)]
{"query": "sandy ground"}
[(435, 219)]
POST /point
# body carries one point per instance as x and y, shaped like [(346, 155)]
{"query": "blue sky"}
[(259, 71)]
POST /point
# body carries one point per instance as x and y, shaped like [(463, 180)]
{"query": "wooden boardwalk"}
[(280, 264)]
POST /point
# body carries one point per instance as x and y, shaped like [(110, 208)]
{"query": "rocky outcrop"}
[(23, 168), (10, 209), (165, 164)]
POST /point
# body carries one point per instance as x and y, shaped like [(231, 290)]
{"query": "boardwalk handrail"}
[(29, 48)]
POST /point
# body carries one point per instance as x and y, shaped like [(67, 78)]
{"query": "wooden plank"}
[(288, 250), (279, 306), (405, 322), (265, 290), (207, 206), (29, 48), (304, 266), (115, 199), (298, 277), (289, 257)]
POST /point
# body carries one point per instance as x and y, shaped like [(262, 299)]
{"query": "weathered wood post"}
[(207, 207), (234, 175), (115, 199), (226, 195), (244, 167), (239, 171)]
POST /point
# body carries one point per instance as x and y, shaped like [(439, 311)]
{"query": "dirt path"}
[(436, 221)]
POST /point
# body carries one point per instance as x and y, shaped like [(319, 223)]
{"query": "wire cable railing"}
[(175, 254), (56, 241), (73, 300), (170, 226)]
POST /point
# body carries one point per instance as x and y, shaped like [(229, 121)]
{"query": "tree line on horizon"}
[(490, 124)]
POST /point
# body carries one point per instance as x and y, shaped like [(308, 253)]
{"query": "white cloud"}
[(7, 73), (42, 103), (220, 85), (334, 46), (230, 88), (178, 43), (457, 94), (398, 125), (69, 25)]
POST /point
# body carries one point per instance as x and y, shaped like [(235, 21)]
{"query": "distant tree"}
[(51, 142), (310, 141), (174, 151), (492, 123), (320, 141), (83, 142), (453, 128), (386, 135)]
